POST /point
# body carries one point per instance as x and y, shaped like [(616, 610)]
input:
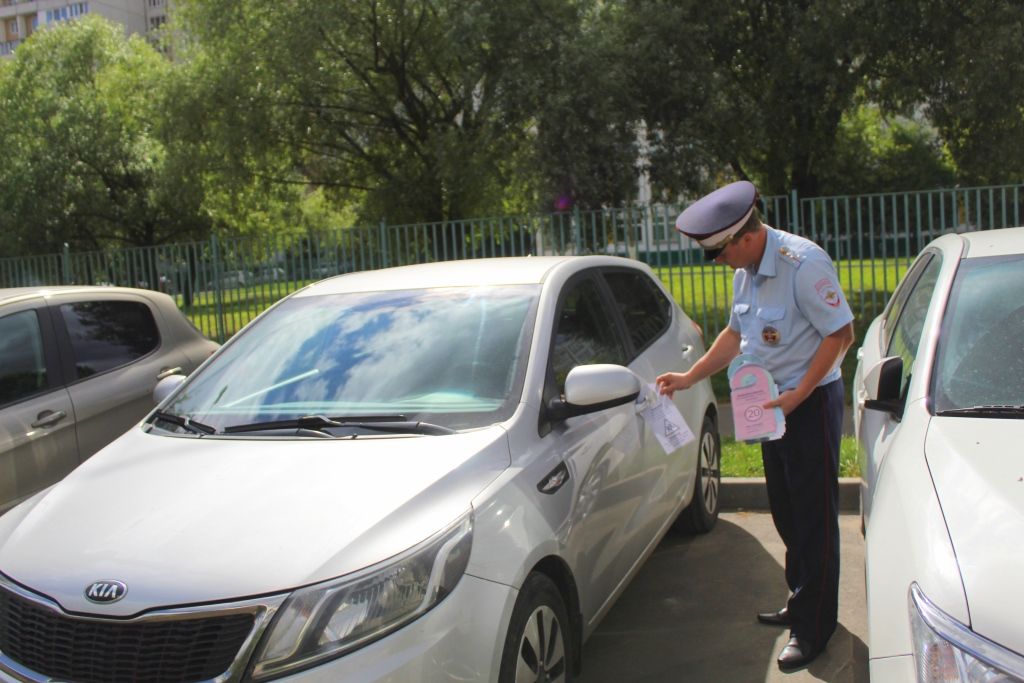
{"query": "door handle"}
[(48, 418), (167, 372)]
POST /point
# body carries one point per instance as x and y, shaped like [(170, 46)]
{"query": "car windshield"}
[(979, 360), (454, 357)]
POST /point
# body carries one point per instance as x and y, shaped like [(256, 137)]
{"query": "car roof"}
[(994, 242), (17, 293), (512, 270)]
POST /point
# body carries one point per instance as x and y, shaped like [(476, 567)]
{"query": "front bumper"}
[(460, 639), (893, 669)]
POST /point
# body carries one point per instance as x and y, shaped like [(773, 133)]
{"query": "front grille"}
[(82, 650)]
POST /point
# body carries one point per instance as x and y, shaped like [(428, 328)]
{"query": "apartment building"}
[(21, 18)]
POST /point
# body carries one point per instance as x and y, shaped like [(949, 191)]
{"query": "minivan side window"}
[(108, 334), (585, 332), (22, 361), (644, 308)]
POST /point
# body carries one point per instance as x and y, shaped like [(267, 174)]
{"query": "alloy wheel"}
[(541, 649), (710, 470)]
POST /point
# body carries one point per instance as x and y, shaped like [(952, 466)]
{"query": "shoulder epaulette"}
[(790, 256)]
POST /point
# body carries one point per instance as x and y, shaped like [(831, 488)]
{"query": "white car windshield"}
[(979, 362), (453, 357)]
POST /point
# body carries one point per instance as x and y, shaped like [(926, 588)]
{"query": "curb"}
[(750, 493)]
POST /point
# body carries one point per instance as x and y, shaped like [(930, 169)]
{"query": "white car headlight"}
[(946, 651), (327, 620)]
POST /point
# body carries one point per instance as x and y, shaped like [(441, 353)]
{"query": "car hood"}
[(978, 471), (195, 520)]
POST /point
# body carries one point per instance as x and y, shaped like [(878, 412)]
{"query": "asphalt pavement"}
[(689, 616)]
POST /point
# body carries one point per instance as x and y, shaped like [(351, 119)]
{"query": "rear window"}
[(108, 334), (644, 308)]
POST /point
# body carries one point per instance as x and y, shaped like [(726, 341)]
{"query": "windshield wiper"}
[(185, 422), (994, 410), (396, 424), (403, 427)]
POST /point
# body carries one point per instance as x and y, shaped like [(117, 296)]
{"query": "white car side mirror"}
[(166, 387), (590, 388), (588, 385)]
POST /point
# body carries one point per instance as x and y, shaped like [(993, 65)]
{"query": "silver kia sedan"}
[(436, 472), (78, 366)]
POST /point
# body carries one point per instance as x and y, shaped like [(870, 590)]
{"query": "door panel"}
[(601, 450), (897, 333), (659, 344), (32, 458), (37, 421)]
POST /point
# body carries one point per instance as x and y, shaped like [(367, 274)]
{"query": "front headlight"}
[(946, 651), (327, 620)]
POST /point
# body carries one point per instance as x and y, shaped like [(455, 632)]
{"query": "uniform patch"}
[(828, 292), (769, 335)]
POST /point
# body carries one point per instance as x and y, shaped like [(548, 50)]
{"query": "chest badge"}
[(769, 335)]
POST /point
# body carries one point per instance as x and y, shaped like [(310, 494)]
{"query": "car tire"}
[(700, 515), (538, 645)]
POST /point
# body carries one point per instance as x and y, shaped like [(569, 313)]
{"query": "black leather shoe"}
[(796, 654), (780, 618)]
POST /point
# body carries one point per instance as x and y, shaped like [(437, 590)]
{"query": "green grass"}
[(741, 459)]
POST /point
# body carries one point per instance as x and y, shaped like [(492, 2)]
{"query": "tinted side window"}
[(643, 306), (22, 362), (906, 335), (585, 332), (108, 334)]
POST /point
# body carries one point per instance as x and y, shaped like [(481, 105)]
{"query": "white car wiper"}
[(185, 422), (993, 410), (395, 424)]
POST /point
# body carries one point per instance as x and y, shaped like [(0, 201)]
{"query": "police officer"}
[(789, 311)]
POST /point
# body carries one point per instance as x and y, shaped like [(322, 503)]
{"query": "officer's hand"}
[(787, 400), (671, 382)]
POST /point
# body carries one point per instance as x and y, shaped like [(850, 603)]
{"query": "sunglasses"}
[(711, 253)]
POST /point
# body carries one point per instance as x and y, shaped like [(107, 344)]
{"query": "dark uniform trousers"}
[(802, 474)]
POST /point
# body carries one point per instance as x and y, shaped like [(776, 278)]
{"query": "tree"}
[(585, 148), (83, 163), (961, 60), (404, 106), (750, 88), (886, 153)]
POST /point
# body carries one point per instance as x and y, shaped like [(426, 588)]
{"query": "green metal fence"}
[(221, 284)]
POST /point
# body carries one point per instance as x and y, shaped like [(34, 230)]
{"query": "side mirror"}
[(882, 385), (591, 388), (166, 387)]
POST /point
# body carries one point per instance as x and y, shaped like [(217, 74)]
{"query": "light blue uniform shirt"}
[(785, 307)]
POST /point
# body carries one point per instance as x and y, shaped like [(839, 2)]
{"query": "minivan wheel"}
[(702, 513), (538, 644)]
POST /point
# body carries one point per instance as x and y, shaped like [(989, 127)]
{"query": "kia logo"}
[(105, 591)]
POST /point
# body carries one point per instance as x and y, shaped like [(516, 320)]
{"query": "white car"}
[(939, 419), (429, 473)]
